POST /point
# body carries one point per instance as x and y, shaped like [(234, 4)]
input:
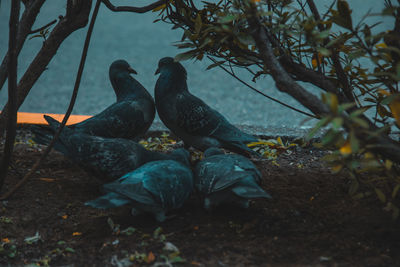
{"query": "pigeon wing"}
[(197, 118), (117, 120), (194, 116)]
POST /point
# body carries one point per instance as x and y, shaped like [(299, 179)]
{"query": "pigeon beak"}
[(157, 71), (130, 70)]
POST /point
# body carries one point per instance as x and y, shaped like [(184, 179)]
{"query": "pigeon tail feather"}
[(110, 200), (250, 189)]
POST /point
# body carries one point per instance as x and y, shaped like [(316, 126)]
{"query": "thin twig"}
[(70, 107), (132, 8), (44, 27), (12, 91), (261, 93)]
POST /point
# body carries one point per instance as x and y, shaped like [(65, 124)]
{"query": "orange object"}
[(37, 118)]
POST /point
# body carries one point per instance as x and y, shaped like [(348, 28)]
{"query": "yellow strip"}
[(37, 118)]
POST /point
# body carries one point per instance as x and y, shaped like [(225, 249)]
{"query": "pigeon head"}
[(168, 64), (119, 66), (213, 151), (181, 155)]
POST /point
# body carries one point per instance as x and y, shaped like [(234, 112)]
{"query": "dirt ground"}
[(311, 221)]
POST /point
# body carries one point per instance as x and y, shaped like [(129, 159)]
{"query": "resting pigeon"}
[(225, 178), (132, 114), (106, 158), (156, 187), (189, 117)]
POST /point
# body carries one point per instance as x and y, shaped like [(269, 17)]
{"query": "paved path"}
[(142, 43)]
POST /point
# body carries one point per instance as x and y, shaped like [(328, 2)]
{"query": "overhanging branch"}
[(283, 80), (143, 9)]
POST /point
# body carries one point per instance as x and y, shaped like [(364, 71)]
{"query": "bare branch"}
[(28, 18), (133, 9), (76, 18), (12, 91), (70, 107)]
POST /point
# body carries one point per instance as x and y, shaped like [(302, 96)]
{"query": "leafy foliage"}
[(356, 67)]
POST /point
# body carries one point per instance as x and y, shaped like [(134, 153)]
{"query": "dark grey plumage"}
[(106, 158), (189, 117), (130, 116), (156, 187), (227, 178)]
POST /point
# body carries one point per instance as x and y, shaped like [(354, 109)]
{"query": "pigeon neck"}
[(172, 82), (125, 86)]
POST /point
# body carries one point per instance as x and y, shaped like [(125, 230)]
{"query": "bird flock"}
[(105, 145)]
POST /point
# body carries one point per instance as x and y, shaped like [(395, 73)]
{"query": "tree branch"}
[(12, 91), (28, 18), (70, 107), (283, 81), (341, 75), (77, 17), (133, 9)]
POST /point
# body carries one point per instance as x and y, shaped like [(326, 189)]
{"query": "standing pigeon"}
[(189, 117), (157, 187), (224, 178), (106, 158), (130, 116)]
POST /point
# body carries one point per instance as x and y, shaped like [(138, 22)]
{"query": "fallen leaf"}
[(150, 257), (33, 239)]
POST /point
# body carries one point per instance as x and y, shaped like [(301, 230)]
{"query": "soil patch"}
[(311, 221)]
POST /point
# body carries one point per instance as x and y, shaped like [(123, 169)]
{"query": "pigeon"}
[(189, 118), (105, 158), (227, 178), (132, 114), (157, 187)]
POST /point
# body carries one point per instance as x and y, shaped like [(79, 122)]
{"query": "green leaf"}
[(70, 250), (344, 17), (198, 23), (185, 56), (157, 232), (323, 51), (177, 259), (128, 231), (395, 191), (227, 19), (389, 99), (357, 112), (337, 123), (321, 123), (215, 64), (381, 196), (360, 122), (354, 143)]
